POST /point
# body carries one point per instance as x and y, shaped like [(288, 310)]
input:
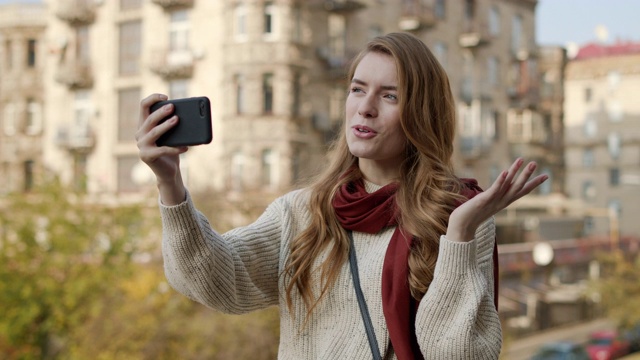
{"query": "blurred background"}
[(81, 276)]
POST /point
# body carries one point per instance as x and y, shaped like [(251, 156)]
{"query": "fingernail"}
[(532, 166), (166, 107)]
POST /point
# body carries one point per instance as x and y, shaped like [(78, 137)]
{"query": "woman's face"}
[(374, 134)]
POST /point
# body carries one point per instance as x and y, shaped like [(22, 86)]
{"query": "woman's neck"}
[(379, 175)]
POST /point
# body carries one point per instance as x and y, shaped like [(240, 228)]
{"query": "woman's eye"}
[(391, 96), (355, 89)]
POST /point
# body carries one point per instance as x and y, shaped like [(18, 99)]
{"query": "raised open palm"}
[(508, 187)]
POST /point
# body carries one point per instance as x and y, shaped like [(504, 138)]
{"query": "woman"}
[(422, 239)]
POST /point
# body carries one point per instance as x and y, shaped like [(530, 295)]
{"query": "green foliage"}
[(58, 254), (72, 287), (619, 288)]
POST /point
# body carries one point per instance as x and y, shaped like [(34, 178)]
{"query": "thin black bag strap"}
[(364, 311)]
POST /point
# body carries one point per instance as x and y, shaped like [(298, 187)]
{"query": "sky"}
[(560, 22)]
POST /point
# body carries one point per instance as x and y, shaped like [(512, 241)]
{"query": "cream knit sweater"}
[(239, 271)]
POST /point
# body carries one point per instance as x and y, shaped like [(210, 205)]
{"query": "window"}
[(615, 205), (9, 120), (492, 71), (588, 95), (267, 165), (28, 175), (375, 31), (240, 22), (295, 165), (130, 40), (615, 110), (297, 89), (545, 187), (83, 53), (128, 102), (516, 34), (80, 130), (588, 158), (34, 118), (494, 20), (614, 144), (126, 182), (178, 88), (590, 126), (238, 81), (179, 30), (130, 4), (336, 30), (469, 10), (237, 169), (8, 54), (80, 171), (31, 53), (588, 190), (297, 24), (268, 19), (267, 93), (440, 9), (440, 52), (614, 176)]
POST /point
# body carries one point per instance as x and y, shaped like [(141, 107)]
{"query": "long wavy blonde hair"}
[(427, 189)]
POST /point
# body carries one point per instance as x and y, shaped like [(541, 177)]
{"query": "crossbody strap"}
[(364, 311)]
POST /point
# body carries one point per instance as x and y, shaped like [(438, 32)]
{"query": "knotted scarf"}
[(358, 210)]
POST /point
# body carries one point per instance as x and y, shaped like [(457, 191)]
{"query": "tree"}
[(619, 288), (59, 254), (83, 280)]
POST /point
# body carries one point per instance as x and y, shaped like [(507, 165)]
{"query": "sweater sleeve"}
[(235, 272), (457, 318)]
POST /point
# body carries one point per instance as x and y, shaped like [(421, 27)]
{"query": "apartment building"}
[(602, 136), (22, 54), (275, 74)]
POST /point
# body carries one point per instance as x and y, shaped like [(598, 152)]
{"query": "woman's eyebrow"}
[(383, 87)]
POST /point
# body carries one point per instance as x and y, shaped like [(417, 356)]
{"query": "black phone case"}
[(194, 125)]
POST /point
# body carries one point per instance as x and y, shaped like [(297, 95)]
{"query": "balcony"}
[(415, 16), (75, 75), (477, 125), (336, 65), (75, 138), (76, 12), (527, 127), (342, 6), (173, 64), (172, 4), (473, 35)]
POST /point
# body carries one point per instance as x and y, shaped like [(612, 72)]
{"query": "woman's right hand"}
[(164, 161)]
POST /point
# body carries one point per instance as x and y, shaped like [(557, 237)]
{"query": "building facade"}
[(602, 135), (22, 54), (275, 74)]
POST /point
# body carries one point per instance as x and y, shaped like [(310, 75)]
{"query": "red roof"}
[(594, 50)]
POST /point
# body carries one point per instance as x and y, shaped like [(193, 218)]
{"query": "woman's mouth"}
[(363, 132)]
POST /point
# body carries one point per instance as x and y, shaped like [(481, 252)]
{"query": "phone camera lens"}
[(201, 108)]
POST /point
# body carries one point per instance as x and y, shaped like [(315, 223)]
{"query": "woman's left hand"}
[(508, 187)]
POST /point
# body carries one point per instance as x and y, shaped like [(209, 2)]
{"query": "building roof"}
[(595, 50)]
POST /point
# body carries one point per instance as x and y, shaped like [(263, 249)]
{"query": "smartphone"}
[(194, 125)]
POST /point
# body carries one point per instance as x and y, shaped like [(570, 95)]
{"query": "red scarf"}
[(365, 212)]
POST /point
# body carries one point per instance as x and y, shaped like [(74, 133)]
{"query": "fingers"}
[(146, 103), (513, 184), (523, 184)]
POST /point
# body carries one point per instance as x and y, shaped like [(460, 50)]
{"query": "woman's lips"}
[(363, 132)]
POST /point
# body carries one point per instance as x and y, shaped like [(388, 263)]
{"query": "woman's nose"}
[(368, 107)]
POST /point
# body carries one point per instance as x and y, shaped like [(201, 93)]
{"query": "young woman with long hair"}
[(422, 238)]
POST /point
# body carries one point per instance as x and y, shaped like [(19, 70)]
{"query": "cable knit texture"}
[(239, 271)]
